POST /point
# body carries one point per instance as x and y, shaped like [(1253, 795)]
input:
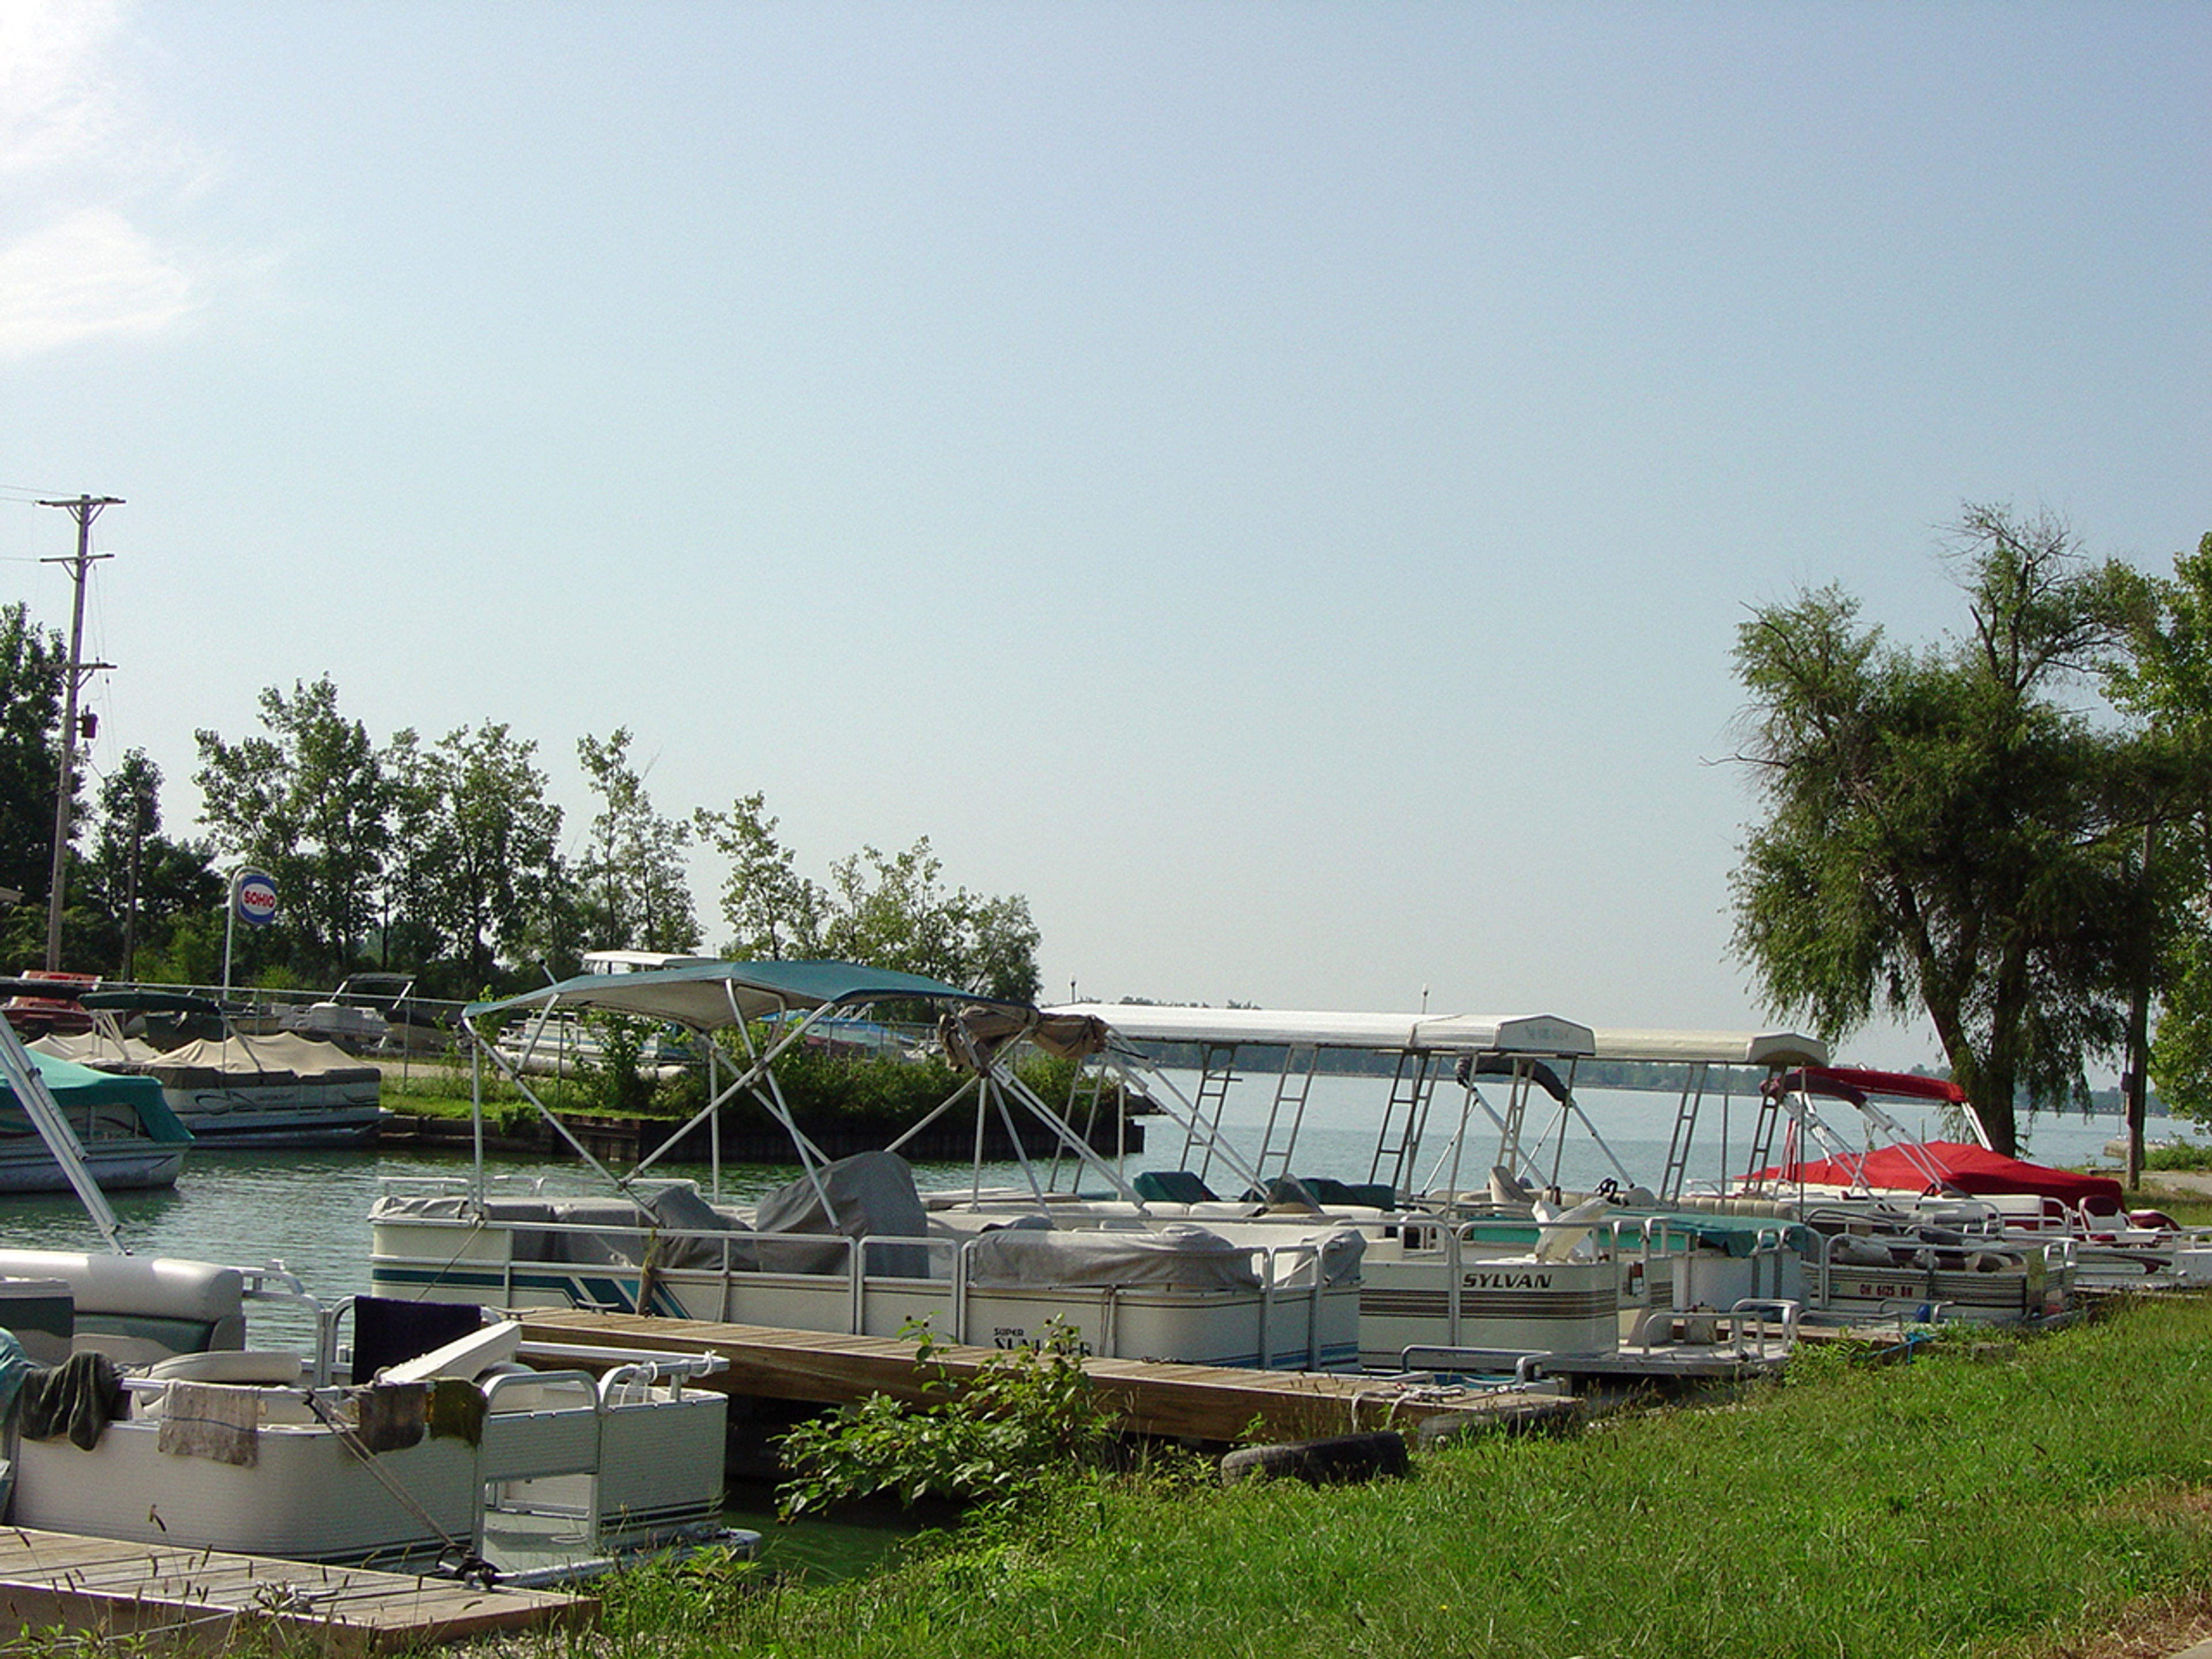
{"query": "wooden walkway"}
[(1195, 1402), (198, 1600)]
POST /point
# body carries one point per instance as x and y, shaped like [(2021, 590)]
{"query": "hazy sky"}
[(1274, 484)]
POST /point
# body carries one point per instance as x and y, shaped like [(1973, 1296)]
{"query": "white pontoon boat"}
[(232, 1090), (852, 1247), (1480, 1278), (180, 1433)]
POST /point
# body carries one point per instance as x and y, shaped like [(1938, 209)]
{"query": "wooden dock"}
[(1194, 1402), (194, 1600)]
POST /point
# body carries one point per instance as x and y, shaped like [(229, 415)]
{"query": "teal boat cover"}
[(1735, 1235), (81, 1090)]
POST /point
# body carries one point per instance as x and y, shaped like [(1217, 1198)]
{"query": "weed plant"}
[(2008, 1497), (1025, 1421)]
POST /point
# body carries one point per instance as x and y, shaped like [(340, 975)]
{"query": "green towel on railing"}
[(82, 1395)]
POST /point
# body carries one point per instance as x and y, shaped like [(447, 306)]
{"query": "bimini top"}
[(1522, 1033), (1855, 1083), (1771, 1048), (707, 995)]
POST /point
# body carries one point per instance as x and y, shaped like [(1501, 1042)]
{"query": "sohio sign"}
[(255, 898)]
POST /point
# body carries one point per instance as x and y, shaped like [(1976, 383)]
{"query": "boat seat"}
[(1285, 1194), (1172, 1186), (1373, 1195), (230, 1366)]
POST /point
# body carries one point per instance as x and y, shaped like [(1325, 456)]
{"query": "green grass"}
[(1995, 1497)]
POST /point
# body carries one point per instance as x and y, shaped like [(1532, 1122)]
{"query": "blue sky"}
[(1274, 484)]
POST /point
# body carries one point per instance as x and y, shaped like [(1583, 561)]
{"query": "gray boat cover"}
[(1189, 1257), (872, 1194)]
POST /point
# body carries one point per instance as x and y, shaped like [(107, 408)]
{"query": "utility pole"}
[(84, 509)]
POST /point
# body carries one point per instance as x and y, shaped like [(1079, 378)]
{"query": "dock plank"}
[(1166, 1398), (199, 1598)]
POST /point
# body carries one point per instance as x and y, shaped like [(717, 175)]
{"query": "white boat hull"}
[(306, 1498), (1288, 1327), (556, 1468)]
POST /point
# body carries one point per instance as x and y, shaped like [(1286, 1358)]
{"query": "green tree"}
[(2164, 677), (773, 911), (632, 874), (31, 665), (890, 911), (136, 887), (493, 837), (893, 912), (308, 802), (1002, 947), (1945, 833), (411, 931)]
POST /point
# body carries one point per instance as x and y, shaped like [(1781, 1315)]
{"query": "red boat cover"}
[(1966, 1169)]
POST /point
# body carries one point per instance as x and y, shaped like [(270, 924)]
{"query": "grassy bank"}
[(1997, 1498)]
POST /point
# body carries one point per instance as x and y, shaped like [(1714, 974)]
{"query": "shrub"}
[(1026, 1416)]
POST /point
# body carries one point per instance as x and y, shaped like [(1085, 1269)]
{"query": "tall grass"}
[(1995, 1497)]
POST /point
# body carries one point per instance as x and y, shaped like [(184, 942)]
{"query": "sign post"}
[(253, 897)]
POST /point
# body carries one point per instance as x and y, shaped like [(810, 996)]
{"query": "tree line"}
[(442, 858)]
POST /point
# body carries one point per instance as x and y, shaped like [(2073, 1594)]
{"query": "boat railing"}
[(1753, 1324), (1279, 1285), (277, 1286), (1289, 1273), (1754, 1321), (1523, 1368), (1905, 1310)]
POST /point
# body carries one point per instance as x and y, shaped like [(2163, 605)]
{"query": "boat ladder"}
[(1217, 1072), (1405, 1119), (1293, 1084), (1686, 1122), (1762, 1132)]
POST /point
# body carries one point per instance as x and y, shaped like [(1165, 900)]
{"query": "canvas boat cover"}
[(1858, 1083), (1974, 1171), (1036, 1255), (1031, 1252), (971, 1037), (95, 1047), (1531, 1033), (1621, 1043), (211, 1060), (82, 1092)]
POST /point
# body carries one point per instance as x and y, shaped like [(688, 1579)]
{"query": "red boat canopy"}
[(1855, 1083), (1971, 1169)]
